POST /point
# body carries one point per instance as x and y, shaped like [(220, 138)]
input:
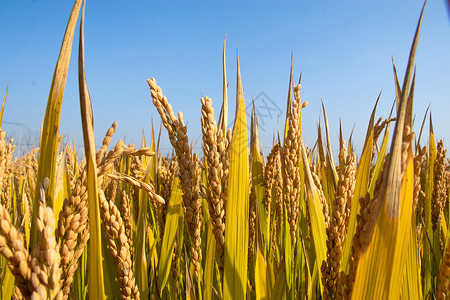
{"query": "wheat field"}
[(229, 222)]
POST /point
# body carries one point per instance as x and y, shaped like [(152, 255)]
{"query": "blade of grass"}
[(262, 285), (208, 274), (173, 217), (3, 107), (257, 177), (223, 117), (95, 259), (50, 129), (288, 253), (387, 227), (427, 257), (380, 158), (237, 207), (412, 289), (361, 187), (289, 98), (330, 160), (318, 227), (7, 282)]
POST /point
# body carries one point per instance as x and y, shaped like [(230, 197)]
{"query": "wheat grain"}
[(119, 246), (337, 227), (187, 166), (213, 190)]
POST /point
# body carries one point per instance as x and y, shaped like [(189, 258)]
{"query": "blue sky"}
[(343, 49)]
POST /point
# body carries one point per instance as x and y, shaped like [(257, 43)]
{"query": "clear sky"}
[(343, 49)]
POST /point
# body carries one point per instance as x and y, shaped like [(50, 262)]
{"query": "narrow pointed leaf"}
[(174, 212), (318, 227), (223, 117), (95, 258), (257, 177), (330, 160), (380, 265), (237, 206), (3, 107), (50, 129), (361, 187)]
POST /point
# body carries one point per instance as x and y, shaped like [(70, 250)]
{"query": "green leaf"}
[(174, 214), (223, 117), (208, 274), (258, 179), (288, 253), (318, 227), (427, 257)]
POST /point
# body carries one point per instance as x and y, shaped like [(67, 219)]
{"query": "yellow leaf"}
[(237, 207), (50, 129), (318, 227), (3, 107), (388, 226), (261, 284), (95, 258)]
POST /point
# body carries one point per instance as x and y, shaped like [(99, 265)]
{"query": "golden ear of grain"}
[(95, 258), (237, 206), (8, 279), (50, 128)]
